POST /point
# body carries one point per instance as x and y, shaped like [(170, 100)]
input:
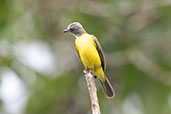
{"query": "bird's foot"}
[(89, 71), (95, 76), (86, 72)]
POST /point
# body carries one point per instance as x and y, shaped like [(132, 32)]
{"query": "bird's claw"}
[(86, 71)]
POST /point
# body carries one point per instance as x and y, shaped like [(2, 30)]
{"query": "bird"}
[(91, 55)]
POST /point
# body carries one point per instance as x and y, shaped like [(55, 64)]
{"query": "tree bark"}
[(92, 92)]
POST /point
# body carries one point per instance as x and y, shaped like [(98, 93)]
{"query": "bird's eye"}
[(71, 29)]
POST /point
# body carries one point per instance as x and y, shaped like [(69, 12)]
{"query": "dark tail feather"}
[(107, 88)]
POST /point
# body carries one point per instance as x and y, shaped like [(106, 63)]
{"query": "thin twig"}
[(93, 92)]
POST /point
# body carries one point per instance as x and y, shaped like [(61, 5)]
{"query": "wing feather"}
[(101, 54)]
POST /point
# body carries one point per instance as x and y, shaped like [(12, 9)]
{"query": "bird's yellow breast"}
[(86, 48)]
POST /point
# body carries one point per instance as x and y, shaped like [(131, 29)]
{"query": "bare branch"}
[(93, 92)]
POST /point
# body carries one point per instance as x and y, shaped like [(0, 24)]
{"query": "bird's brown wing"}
[(101, 54)]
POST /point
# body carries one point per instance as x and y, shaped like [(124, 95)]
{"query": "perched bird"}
[(91, 55)]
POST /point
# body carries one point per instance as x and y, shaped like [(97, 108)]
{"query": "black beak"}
[(66, 30)]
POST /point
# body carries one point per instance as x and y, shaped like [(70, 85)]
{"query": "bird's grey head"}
[(75, 28)]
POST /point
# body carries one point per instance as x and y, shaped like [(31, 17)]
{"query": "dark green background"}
[(136, 39)]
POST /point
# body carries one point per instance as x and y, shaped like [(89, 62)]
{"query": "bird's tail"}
[(107, 88)]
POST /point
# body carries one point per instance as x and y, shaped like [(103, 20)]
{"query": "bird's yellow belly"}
[(90, 57), (88, 54)]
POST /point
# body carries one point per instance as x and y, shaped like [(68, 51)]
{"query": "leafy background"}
[(41, 73)]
